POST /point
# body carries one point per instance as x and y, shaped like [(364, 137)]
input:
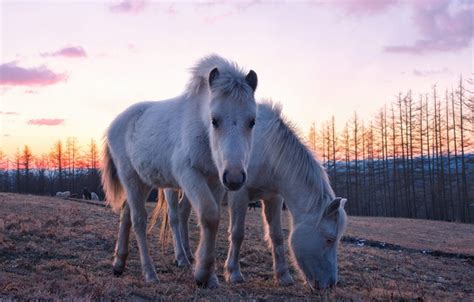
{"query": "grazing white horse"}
[(199, 141), (280, 167), (65, 194), (94, 196)]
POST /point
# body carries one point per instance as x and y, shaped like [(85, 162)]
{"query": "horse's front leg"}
[(172, 199), (238, 203), (121, 247), (272, 214), (207, 209)]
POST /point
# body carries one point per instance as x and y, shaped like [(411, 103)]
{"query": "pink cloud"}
[(8, 113), (13, 75), (46, 122), (129, 6), (443, 25), (426, 73), (68, 52), (365, 7)]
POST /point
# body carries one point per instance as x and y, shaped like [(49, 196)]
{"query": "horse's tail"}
[(160, 211), (114, 193)]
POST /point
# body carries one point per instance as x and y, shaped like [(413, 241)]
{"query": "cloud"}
[(8, 113), (364, 7), (443, 25), (13, 75), (231, 9), (46, 122), (68, 52), (426, 73), (129, 6)]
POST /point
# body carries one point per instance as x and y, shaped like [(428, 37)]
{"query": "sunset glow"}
[(69, 67)]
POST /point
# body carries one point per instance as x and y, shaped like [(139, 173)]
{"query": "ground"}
[(62, 249)]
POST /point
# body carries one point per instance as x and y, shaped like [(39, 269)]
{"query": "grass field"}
[(62, 249)]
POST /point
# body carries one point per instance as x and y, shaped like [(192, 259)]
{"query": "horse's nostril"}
[(224, 177), (244, 177)]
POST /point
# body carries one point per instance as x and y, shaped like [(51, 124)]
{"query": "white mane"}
[(290, 154), (231, 80)]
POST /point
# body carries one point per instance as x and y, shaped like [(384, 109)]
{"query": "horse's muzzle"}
[(234, 180)]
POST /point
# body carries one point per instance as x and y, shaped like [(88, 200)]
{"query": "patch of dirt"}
[(61, 249)]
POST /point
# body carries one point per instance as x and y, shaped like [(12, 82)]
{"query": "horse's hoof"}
[(182, 263), (151, 280), (151, 277), (235, 277), (211, 283), (285, 279), (118, 267), (117, 272)]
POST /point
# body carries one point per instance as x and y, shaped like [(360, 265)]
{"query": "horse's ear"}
[(252, 79), (333, 207), (213, 75)]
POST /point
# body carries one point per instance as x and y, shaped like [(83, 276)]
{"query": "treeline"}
[(67, 167), (414, 159)]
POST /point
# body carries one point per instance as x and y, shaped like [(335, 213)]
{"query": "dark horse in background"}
[(86, 194)]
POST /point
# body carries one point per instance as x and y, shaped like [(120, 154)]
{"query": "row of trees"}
[(67, 167), (414, 159)]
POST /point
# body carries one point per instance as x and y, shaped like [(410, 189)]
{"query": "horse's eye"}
[(215, 123), (252, 124), (330, 241)]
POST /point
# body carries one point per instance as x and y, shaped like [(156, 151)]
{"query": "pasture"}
[(63, 249)]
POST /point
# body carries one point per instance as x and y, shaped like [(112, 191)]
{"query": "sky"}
[(67, 68)]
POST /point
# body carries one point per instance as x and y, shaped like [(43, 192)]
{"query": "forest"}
[(413, 159)]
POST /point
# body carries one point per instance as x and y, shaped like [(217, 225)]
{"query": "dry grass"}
[(52, 248)]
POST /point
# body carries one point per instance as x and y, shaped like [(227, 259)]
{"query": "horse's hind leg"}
[(184, 213), (137, 192), (121, 248), (172, 198), (272, 213), (237, 203)]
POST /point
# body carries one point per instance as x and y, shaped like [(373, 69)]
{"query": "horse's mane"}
[(230, 82), (291, 157)]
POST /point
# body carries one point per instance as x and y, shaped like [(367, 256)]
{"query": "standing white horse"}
[(280, 167), (198, 142)]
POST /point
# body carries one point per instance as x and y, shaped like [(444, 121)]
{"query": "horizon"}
[(72, 75)]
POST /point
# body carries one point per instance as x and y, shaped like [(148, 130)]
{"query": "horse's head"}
[(314, 246), (231, 121)]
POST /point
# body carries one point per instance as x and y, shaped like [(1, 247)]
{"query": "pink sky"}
[(69, 67)]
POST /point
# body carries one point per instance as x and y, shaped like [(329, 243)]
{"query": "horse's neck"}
[(297, 198), (299, 193), (202, 102)]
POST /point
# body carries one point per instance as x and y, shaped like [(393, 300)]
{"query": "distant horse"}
[(86, 194), (65, 194), (254, 205), (94, 196), (199, 141), (280, 167)]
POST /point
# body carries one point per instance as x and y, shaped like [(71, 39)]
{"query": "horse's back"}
[(145, 136)]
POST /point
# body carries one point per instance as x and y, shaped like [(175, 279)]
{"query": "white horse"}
[(65, 194), (280, 167), (94, 196), (197, 141)]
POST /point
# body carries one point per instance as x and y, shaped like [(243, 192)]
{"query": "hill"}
[(62, 249)]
